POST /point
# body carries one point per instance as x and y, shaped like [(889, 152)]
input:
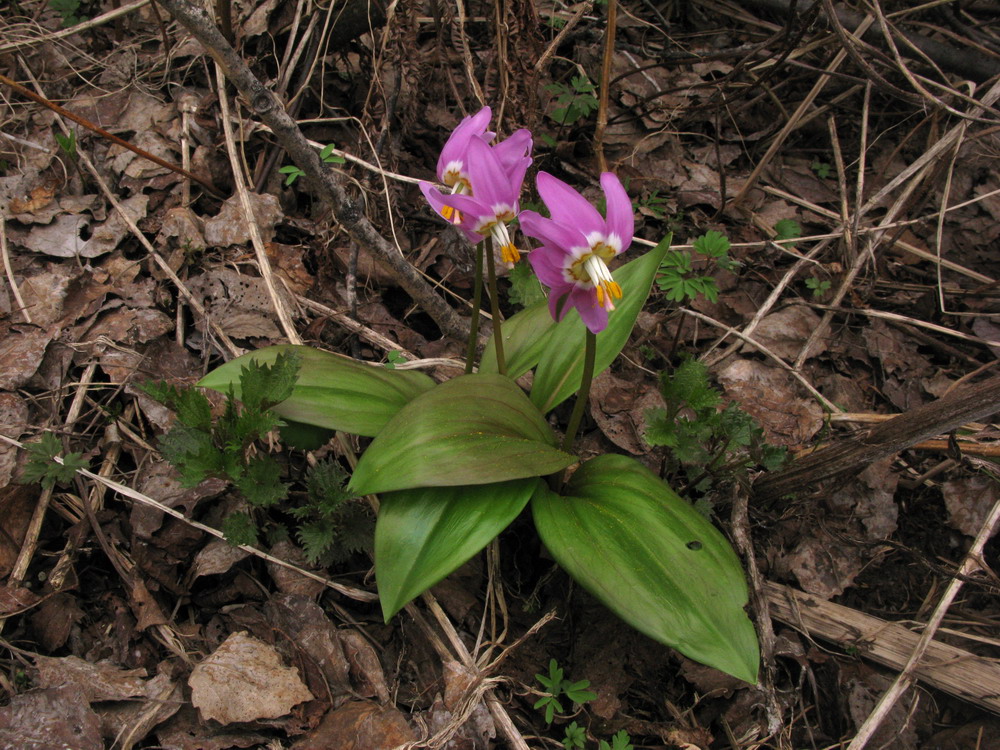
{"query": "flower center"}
[(461, 186), (591, 269), (496, 227)]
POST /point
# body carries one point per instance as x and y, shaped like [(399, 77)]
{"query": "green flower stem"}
[(491, 279), (589, 354), (477, 301)]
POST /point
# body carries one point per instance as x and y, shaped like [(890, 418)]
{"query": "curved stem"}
[(477, 301), (589, 354), (491, 279)]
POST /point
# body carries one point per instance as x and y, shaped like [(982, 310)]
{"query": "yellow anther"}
[(509, 254)]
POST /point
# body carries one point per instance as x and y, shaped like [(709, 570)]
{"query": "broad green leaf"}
[(423, 535), (560, 366), (652, 559), (475, 429), (524, 337), (332, 391)]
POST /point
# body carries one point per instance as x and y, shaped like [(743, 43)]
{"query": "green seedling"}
[(707, 441), (292, 173), (555, 687), (393, 359), (575, 737), (68, 10), (821, 168), (676, 276), (621, 741), (573, 102), (42, 466), (67, 143), (818, 287), (787, 229)]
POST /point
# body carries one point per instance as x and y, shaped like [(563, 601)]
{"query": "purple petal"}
[(547, 262), (621, 219), (593, 315), (513, 149), (456, 147), (566, 206), (490, 184), (559, 303), (550, 233)]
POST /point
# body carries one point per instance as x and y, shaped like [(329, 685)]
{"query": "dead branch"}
[(962, 405), (345, 208)]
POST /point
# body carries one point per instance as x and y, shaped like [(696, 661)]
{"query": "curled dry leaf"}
[(969, 500), (359, 725), (244, 680)]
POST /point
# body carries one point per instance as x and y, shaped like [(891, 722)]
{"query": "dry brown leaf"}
[(868, 497), (287, 580), (13, 424), (54, 619), (244, 680), (17, 504), (359, 725), (45, 293), (229, 227), (366, 669), (14, 599), (619, 406), (39, 198), (215, 558), (786, 331), (48, 719), (307, 627), (62, 238), (769, 395), (101, 681), (969, 500)]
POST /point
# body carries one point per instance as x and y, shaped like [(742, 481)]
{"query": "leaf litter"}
[(266, 654)]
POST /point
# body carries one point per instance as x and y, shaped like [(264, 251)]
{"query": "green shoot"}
[(393, 359), (787, 229), (67, 9), (525, 289), (574, 102), (292, 173), (621, 741), (821, 168), (575, 738), (677, 278), (706, 441), (555, 686), (818, 287), (67, 143), (328, 157), (43, 468)]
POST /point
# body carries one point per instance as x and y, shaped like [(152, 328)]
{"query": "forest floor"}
[(847, 152)]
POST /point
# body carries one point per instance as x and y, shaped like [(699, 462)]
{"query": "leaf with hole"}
[(651, 558)]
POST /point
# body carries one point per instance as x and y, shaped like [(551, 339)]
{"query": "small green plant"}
[(292, 172), (42, 466), (705, 441), (621, 741), (332, 526), (555, 686), (818, 287), (556, 22), (787, 229), (574, 102), (676, 276), (393, 359), (328, 157), (821, 168), (651, 203), (575, 737), (67, 143), (525, 290), (68, 10)]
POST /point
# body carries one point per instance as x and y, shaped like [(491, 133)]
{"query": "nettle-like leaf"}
[(652, 559), (331, 391), (423, 535), (560, 362), (474, 429)]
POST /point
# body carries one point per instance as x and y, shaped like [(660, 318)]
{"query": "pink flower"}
[(487, 185), (577, 244)]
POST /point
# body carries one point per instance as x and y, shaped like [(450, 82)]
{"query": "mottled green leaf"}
[(474, 429), (652, 559)]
